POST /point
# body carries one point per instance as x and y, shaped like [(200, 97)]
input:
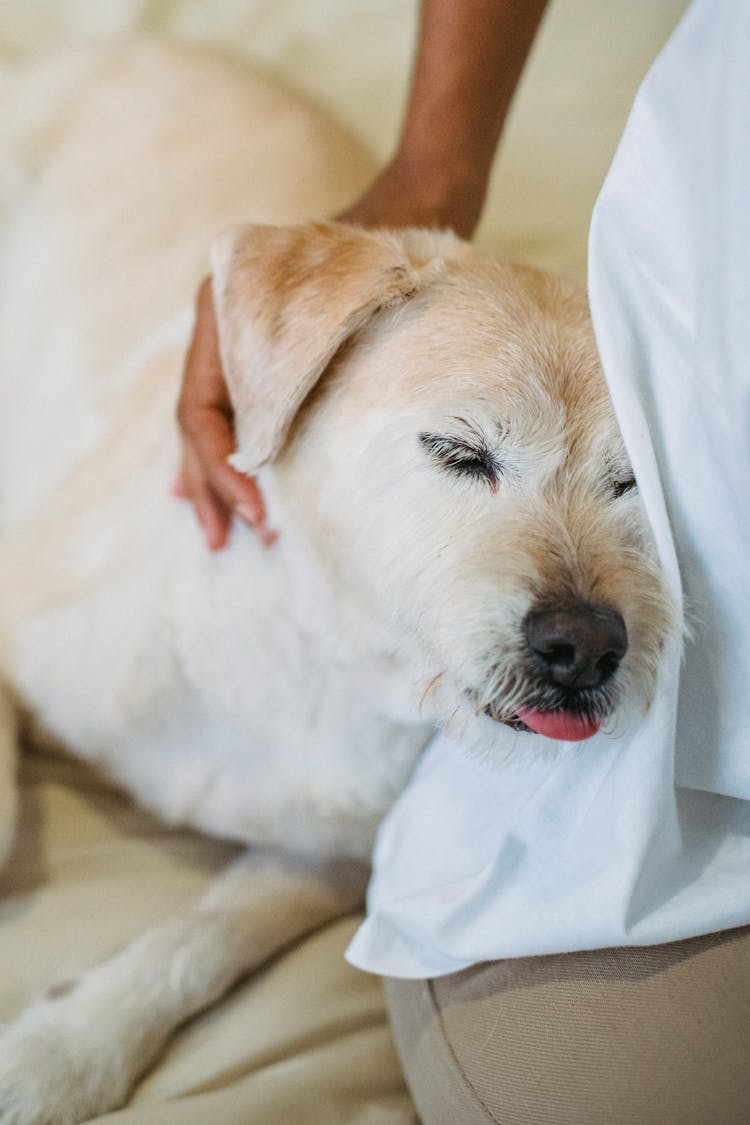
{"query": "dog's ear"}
[(286, 299)]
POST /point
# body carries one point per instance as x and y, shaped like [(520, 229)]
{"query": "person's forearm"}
[(469, 59), (470, 55)]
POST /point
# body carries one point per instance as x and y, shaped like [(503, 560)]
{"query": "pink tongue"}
[(562, 725)]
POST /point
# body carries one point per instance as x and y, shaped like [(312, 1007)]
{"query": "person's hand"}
[(204, 412), (397, 198), (218, 492), (469, 57), (405, 194)]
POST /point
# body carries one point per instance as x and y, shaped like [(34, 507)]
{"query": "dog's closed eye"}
[(468, 459), (623, 486)]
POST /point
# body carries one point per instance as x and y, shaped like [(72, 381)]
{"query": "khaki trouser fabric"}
[(643, 1036)]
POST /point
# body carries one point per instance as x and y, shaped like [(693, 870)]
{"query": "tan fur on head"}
[(504, 356), (287, 298)]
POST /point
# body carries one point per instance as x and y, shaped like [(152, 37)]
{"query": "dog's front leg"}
[(68, 1058)]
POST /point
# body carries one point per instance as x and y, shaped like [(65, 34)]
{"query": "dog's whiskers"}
[(509, 689), (429, 689)]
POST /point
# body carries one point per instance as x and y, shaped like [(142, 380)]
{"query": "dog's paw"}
[(51, 1072)]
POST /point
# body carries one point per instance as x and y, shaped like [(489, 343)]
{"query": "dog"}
[(461, 541)]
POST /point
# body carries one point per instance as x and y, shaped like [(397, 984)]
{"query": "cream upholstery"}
[(305, 1041)]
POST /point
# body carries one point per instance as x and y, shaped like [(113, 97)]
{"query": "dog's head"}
[(459, 469)]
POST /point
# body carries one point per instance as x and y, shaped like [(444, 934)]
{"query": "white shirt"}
[(645, 838)]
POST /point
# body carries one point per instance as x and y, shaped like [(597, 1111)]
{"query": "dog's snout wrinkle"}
[(578, 646)]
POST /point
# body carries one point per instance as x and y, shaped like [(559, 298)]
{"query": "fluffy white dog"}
[(461, 540)]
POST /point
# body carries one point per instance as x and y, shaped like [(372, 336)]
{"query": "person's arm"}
[(470, 54)]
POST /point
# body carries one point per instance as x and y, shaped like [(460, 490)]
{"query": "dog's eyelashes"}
[(622, 487), (474, 461), (472, 458)]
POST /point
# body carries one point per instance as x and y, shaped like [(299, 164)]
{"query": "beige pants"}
[(648, 1036)]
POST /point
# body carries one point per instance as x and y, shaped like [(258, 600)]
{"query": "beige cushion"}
[(304, 1040)]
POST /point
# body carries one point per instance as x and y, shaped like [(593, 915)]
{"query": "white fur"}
[(273, 697)]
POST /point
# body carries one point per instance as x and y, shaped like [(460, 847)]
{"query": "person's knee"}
[(639, 1036)]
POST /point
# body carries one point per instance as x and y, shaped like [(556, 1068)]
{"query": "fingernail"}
[(214, 538), (267, 536), (247, 514)]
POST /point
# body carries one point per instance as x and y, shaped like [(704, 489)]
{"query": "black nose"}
[(579, 646)]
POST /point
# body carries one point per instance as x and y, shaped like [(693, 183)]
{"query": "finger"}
[(205, 418), (213, 518), (211, 443), (178, 485), (213, 514), (203, 382), (267, 536)]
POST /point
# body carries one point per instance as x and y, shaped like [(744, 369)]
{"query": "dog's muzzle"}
[(572, 654)]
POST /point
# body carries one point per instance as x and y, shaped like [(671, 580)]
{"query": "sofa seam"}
[(456, 1062)]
